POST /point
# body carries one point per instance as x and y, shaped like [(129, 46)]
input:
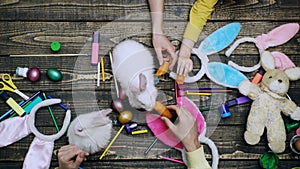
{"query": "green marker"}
[(55, 46)]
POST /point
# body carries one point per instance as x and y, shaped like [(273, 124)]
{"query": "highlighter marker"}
[(12, 103), (95, 48)]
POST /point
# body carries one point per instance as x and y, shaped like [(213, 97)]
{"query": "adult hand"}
[(185, 128), (70, 157), (185, 64), (161, 43)]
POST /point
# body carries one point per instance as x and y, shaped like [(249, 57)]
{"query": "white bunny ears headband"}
[(41, 148), (275, 37), (218, 72)]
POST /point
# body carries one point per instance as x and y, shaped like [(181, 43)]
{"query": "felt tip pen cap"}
[(95, 49), (95, 37), (139, 132), (55, 46), (231, 103), (224, 111), (242, 100), (130, 126)]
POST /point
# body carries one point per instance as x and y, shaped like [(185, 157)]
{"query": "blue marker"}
[(60, 104)]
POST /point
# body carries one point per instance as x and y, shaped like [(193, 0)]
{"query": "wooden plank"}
[(228, 139), (228, 164), (75, 37), (174, 10)]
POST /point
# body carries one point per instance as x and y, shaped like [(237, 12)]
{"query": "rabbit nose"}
[(280, 81)]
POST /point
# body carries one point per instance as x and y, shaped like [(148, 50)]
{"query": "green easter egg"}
[(54, 74)]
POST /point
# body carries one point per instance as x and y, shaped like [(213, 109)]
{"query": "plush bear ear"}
[(267, 60), (293, 73)]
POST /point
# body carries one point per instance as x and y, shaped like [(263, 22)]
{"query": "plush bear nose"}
[(280, 81)]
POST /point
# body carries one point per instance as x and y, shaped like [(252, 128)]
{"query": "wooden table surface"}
[(29, 26)]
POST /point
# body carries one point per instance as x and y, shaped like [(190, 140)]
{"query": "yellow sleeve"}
[(199, 14), (196, 159)]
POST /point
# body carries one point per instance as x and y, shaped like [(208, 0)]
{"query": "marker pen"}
[(95, 48), (12, 103)]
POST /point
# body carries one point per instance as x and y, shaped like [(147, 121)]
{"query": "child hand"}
[(185, 64), (185, 129), (161, 43), (70, 157)]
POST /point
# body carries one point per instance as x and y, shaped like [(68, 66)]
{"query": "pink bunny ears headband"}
[(162, 132), (41, 148), (275, 37)]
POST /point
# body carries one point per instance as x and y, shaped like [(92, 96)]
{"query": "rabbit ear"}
[(143, 82), (293, 73), (142, 85), (282, 61), (267, 60), (220, 39), (13, 129), (277, 36), (224, 75)]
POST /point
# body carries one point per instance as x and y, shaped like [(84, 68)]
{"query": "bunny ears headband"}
[(163, 133), (218, 72), (40, 150), (275, 37)]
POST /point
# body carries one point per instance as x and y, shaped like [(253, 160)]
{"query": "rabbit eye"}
[(280, 81), (80, 130), (270, 77)]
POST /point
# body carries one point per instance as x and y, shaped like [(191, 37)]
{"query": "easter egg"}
[(122, 94), (125, 117), (118, 105), (34, 74), (54, 74)]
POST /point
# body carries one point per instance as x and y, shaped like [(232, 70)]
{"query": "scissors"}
[(8, 85)]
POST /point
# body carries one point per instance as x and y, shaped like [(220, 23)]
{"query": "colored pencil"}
[(111, 142), (102, 69), (208, 90), (51, 114), (171, 159), (199, 94)]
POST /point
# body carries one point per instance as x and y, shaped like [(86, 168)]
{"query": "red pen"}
[(95, 48)]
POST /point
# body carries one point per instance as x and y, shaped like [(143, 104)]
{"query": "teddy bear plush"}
[(269, 100)]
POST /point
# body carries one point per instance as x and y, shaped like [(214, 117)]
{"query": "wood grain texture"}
[(174, 10), (29, 26), (75, 37)]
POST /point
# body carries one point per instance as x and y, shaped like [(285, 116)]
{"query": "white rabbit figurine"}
[(134, 70)]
